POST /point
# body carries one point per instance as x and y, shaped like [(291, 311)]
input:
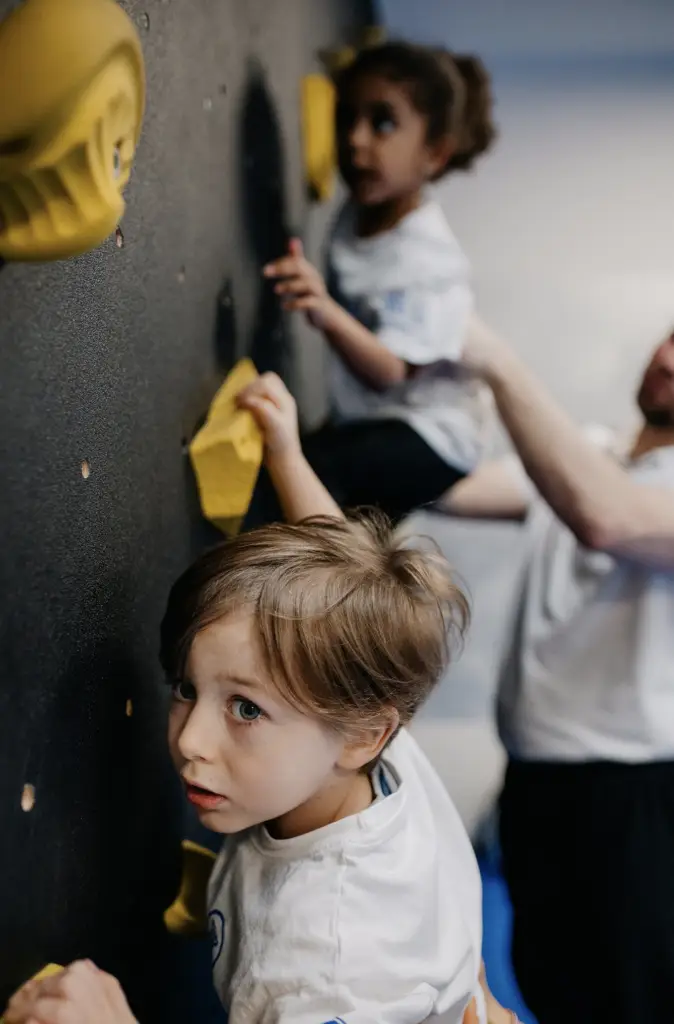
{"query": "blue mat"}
[(496, 941)]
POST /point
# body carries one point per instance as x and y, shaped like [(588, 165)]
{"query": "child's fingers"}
[(297, 286), (287, 266), (50, 1010), (273, 386), (23, 1001), (269, 385), (296, 248), (302, 305), (471, 1015), (267, 415)]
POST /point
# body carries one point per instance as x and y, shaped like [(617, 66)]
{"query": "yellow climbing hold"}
[(226, 454), (188, 915), (320, 142), (72, 93)]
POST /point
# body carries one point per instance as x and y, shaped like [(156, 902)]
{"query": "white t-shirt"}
[(374, 919), (590, 675), (411, 287)]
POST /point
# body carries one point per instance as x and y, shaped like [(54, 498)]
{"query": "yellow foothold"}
[(226, 454), (187, 915), (129, 709), (86, 470)]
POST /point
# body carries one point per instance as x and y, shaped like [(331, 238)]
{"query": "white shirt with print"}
[(374, 919), (411, 287)]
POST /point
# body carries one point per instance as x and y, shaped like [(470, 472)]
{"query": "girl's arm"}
[(303, 290)]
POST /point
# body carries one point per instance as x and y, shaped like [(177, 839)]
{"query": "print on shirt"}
[(216, 927)]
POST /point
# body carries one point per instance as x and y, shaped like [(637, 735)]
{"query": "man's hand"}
[(275, 413), (301, 286), (81, 994)]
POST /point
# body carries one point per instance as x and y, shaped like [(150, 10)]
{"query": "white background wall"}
[(570, 228)]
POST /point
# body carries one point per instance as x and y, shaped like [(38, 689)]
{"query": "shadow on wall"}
[(265, 215)]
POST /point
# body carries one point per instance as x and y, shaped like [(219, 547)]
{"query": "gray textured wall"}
[(111, 358)]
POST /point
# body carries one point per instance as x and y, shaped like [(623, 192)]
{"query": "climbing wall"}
[(107, 364)]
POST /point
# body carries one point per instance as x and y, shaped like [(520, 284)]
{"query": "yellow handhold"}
[(188, 915), (72, 93), (46, 972), (226, 454), (320, 142)]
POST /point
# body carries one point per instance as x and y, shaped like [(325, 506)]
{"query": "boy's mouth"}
[(206, 799)]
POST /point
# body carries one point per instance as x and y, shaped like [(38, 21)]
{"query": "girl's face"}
[(245, 755), (383, 152)]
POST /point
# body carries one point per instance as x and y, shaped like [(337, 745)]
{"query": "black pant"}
[(381, 463), (588, 855)]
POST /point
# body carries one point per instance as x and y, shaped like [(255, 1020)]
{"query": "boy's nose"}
[(198, 740)]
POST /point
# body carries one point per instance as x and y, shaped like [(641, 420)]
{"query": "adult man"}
[(586, 705)]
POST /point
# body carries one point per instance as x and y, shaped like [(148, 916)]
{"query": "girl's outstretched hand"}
[(300, 286)]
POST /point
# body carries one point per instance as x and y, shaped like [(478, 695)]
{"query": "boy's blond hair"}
[(352, 622)]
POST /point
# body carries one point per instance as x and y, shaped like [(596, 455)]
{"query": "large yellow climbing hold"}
[(320, 142), (46, 972), (227, 453), (188, 915), (72, 93)]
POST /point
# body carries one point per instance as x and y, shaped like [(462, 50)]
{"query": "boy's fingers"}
[(296, 248)]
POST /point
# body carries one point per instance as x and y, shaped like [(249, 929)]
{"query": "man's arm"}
[(605, 508)]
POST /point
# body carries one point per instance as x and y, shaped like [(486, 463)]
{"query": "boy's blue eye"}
[(184, 691), (245, 710)]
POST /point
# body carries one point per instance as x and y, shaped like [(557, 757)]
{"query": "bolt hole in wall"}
[(28, 798)]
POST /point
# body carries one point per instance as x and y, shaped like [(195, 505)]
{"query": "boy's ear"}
[(367, 744)]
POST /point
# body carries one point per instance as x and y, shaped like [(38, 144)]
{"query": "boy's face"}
[(383, 152), (245, 755)]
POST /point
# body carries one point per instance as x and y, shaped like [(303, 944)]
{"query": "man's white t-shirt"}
[(374, 919), (411, 287), (590, 674)]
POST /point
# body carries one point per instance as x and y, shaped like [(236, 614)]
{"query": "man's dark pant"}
[(588, 855)]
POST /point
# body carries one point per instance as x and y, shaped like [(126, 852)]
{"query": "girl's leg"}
[(382, 463)]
